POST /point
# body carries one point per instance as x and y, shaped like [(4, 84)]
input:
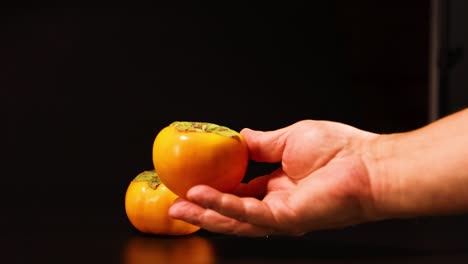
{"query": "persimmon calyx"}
[(149, 176), (188, 126)]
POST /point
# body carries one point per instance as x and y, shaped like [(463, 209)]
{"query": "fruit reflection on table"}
[(142, 249)]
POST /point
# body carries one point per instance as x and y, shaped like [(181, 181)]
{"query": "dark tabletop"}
[(87, 227)]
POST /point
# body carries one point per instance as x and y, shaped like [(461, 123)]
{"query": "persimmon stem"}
[(149, 176)]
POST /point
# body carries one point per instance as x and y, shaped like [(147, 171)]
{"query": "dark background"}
[(85, 92), (453, 65)]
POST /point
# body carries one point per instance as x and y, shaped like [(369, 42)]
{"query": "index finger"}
[(246, 209), (213, 221)]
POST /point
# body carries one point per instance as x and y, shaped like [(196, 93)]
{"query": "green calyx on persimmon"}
[(187, 126)]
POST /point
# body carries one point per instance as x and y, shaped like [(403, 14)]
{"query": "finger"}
[(265, 146), (213, 221), (245, 209), (256, 187), (259, 186)]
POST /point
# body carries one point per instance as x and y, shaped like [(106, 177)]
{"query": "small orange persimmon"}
[(147, 203)]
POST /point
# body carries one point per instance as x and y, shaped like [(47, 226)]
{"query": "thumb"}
[(265, 146)]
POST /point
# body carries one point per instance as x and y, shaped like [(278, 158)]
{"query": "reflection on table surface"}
[(205, 247), (104, 238), (142, 249)]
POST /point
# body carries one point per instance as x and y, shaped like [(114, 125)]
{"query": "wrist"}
[(417, 173), (377, 155)]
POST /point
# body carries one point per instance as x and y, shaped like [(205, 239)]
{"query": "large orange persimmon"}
[(190, 153)]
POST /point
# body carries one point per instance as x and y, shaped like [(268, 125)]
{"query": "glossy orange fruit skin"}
[(187, 158), (147, 210)]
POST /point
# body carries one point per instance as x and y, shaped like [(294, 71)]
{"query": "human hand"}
[(323, 183)]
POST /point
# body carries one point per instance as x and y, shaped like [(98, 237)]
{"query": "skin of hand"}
[(334, 175)]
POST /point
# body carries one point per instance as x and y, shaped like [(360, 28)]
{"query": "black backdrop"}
[(95, 85), (86, 90)]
